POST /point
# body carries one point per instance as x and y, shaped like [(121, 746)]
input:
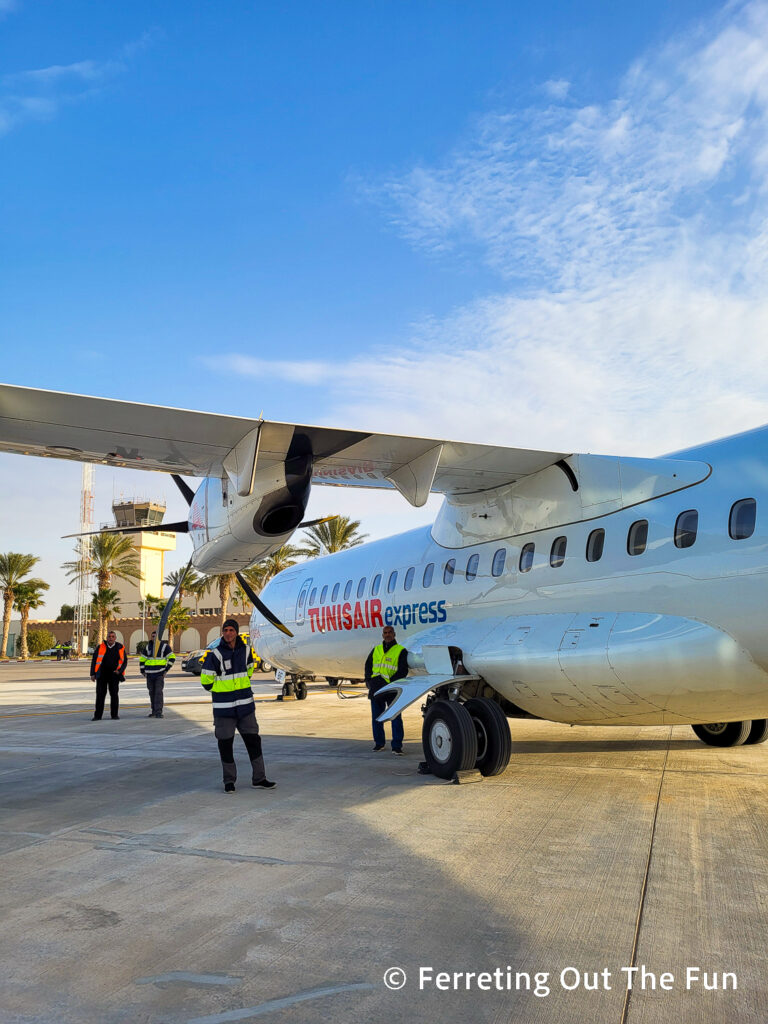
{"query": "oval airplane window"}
[(741, 523), (361, 586), (312, 597), (392, 582), (323, 594), (499, 558), (637, 538), (376, 584), (335, 592), (557, 552), (429, 572), (409, 578), (526, 557), (595, 543), (471, 573), (348, 590), (686, 528), (450, 568)]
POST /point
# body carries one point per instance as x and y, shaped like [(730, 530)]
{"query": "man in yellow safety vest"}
[(386, 663)]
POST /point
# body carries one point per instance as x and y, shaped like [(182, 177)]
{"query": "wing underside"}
[(129, 434)]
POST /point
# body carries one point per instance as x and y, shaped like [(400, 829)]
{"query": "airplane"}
[(576, 588)]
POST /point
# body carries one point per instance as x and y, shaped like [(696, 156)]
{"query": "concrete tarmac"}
[(134, 890)]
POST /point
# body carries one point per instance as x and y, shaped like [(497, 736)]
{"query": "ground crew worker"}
[(108, 671), (154, 665), (386, 663), (227, 672)]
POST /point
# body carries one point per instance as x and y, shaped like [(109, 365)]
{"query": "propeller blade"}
[(184, 487), (167, 610), (256, 601), (182, 527), (316, 522)]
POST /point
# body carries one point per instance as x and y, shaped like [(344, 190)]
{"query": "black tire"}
[(759, 731), (301, 689), (449, 738), (723, 734), (494, 742), (331, 682)]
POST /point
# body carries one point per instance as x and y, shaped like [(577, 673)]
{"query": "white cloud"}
[(557, 88), (37, 94)]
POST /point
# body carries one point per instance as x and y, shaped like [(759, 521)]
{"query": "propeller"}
[(182, 527), (316, 522), (256, 601)]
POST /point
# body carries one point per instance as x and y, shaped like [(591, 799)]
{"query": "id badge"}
[(227, 666)]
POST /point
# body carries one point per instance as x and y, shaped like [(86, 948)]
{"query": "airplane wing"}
[(129, 434)]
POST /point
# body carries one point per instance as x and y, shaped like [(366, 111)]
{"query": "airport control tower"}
[(150, 546)]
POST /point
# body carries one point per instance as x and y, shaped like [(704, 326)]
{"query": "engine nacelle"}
[(230, 532)]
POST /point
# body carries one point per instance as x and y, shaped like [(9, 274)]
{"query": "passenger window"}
[(348, 590), (595, 544), (376, 584), (361, 587), (742, 520), (637, 538), (409, 578), (526, 557), (557, 552), (312, 597), (335, 592), (428, 574), (472, 567), (686, 528), (323, 594), (392, 582), (450, 568), (499, 558)]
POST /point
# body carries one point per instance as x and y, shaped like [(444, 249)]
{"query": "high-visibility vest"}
[(102, 650), (384, 663), (227, 675), (157, 661)]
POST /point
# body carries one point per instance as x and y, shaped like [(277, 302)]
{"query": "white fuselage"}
[(674, 634)]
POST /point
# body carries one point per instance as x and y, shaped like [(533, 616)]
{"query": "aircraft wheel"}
[(449, 738), (332, 682), (759, 731), (723, 734), (494, 743), (266, 666), (301, 689)]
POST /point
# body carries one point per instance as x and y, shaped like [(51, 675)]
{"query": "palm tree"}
[(259, 575), (27, 595), (199, 587), (225, 585), (188, 576), (13, 568), (112, 555), (336, 534), (106, 604), (178, 620)]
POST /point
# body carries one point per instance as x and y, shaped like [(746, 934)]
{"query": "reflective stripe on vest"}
[(385, 662)]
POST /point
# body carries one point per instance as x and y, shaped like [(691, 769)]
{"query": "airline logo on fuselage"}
[(369, 615)]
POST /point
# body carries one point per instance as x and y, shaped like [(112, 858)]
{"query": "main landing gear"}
[(732, 734), (457, 737)]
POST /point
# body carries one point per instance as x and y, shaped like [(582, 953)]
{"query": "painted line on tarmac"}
[(279, 1004), (168, 704), (188, 978)]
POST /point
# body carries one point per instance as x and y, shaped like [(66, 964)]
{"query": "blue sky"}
[(541, 225)]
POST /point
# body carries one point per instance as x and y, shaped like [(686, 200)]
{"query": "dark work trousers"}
[(155, 684), (107, 681), (378, 706), (248, 727)]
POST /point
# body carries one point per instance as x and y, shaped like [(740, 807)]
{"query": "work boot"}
[(379, 746), (264, 784), (229, 787)]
